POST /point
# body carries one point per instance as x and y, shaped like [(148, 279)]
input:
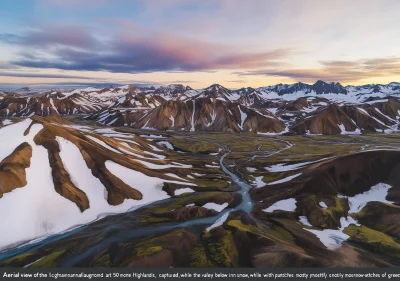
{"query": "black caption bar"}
[(200, 274)]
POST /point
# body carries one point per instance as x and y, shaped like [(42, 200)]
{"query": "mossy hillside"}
[(329, 217), (20, 260), (221, 247), (103, 260), (382, 217), (179, 241), (147, 251), (51, 260), (198, 257), (317, 148), (375, 241), (197, 199), (212, 183), (237, 223), (274, 232)]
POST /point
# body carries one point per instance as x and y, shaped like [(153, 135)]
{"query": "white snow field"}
[(284, 205), (216, 207), (183, 190), (46, 212)]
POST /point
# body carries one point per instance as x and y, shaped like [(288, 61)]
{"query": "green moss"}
[(103, 261), (147, 251), (331, 215), (195, 146), (198, 257), (183, 195), (338, 208), (18, 259), (151, 246), (222, 250), (283, 233), (379, 216), (49, 260), (183, 202), (374, 240), (210, 183), (236, 223), (318, 148)]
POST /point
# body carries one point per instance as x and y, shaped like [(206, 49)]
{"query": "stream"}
[(118, 228)]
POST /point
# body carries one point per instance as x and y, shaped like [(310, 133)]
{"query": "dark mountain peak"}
[(321, 87), (24, 89), (300, 86), (216, 87), (245, 90), (376, 89), (295, 88), (320, 83)]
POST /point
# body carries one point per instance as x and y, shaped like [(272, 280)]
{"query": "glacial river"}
[(118, 228)]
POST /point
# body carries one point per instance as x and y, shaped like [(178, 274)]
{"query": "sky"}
[(198, 43)]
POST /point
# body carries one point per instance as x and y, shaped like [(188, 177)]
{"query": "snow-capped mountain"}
[(217, 91), (176, 92), (215, 108)]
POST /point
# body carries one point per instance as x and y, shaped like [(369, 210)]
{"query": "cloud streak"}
[(42, 75), (51, 36), (343, 71), (68, 48)]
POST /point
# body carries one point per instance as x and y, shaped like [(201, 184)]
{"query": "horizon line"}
[(70, 85)]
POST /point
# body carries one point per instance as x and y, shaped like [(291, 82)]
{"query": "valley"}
[(282, 176), (207, 139), (145, 198)]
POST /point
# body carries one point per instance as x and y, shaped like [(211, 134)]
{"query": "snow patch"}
[(183, 190), (284, 205), (289, 178), (219, 221), (215, 207)]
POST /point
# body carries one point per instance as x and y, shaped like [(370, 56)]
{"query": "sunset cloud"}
[(131, 53), (343, 71)]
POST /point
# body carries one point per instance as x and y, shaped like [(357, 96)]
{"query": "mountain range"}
[(320, 108)]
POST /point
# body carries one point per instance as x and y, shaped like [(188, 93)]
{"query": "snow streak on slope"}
[(243, 117), (102, 143), (219, 221), (282, 167), (284, 205), (289, 178), (150, 187), (194, 106)]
